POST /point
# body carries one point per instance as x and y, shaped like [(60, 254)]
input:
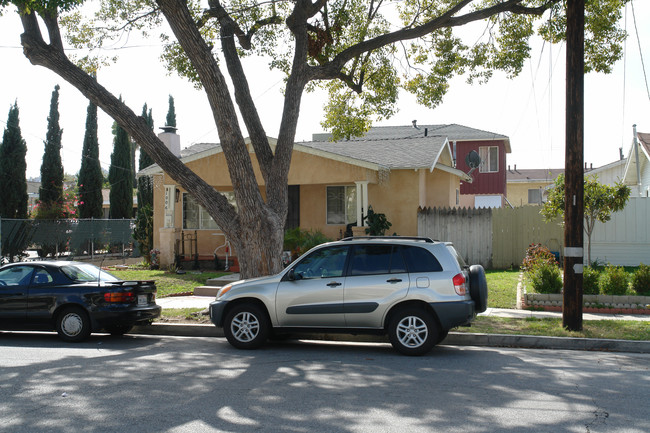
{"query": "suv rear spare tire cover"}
[(478, 287)]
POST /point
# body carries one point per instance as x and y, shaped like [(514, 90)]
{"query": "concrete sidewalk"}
[(454, 338)]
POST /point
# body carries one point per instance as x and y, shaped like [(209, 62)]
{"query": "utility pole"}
[(574, 173)]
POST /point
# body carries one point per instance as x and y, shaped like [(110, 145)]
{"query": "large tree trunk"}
[(259, 243)]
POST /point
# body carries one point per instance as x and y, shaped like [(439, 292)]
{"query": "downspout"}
[(636, 158)]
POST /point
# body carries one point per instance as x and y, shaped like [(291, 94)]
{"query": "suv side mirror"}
[(292, 276)]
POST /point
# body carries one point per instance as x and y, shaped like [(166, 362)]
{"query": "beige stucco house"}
[(331, 185), (530, 186)]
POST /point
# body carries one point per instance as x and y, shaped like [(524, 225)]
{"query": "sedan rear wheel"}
[(413, 331), (247, 326), (73, 324)]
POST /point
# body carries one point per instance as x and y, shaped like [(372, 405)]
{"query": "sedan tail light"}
[(460, 284), (119, 297)]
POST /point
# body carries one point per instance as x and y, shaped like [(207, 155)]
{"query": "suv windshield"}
[(86, 272)]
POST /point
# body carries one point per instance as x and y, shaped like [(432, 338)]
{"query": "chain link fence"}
[(66, 238)]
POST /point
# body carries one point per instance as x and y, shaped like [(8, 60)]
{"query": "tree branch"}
[(243, 96), (231, 139), (331, 70)]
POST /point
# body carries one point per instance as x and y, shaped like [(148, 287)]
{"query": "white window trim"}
[(485, 162), (344, 207)]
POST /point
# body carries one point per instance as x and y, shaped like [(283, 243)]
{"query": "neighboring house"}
[(637, 169), (106, 203), (530, 186), (33, 188), (331, 184)]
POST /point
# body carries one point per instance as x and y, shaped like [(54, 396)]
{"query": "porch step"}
[(223, 280), (206, 291)]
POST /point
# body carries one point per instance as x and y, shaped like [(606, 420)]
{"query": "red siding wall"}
[(484, 183)]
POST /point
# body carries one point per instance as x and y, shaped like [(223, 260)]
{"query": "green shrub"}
[(546, 278), (614, 281), (590, 279), (641, 280), (299, 241), (377, 223), (536, 255)]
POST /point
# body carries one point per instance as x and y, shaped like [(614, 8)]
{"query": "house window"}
[(489, 159), (196, 217), (534, 196), (341, 204)]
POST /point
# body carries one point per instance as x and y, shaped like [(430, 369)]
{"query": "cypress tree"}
[(13, 194), (143, 232), (145, 183), (119, 176), (90, 173), (50, 193), (171, 113)]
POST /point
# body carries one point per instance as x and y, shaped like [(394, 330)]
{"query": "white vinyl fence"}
[(625, 239)]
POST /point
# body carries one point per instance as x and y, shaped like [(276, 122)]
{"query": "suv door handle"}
[(394, 280), (333, 284)]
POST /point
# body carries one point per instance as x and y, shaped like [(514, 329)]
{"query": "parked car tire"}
[(247, 326), (478, 287), (413, 331), (73, 324), (118, 330)]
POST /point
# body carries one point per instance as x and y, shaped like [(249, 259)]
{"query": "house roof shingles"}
[(391, 147), (416, 152)]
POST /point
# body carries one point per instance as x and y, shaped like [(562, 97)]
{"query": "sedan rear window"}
[(86, 272), (420, 260)]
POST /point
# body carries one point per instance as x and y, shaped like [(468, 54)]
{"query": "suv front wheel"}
[(246, 326), (413, 331)]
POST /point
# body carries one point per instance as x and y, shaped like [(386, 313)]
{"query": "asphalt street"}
[(144, 383)]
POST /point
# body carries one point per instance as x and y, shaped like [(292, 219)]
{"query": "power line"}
[(645, 75)]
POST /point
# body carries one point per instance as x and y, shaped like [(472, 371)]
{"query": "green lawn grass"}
[(502, 288), (608, 329)]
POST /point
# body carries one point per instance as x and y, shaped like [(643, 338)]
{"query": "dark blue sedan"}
[(72, 298)]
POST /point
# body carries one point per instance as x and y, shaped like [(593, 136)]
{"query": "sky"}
[(529, 109)]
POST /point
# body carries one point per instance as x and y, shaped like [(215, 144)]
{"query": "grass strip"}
[(552, 327)]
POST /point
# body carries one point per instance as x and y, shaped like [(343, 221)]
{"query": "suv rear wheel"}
[(246, 326), (413, 331)]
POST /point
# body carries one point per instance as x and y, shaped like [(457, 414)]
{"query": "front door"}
[(293, 208), (315, 297)]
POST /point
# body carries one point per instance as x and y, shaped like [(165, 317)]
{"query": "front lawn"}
[(502, 288)]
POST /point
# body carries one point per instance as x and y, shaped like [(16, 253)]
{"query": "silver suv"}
[(413, 289)]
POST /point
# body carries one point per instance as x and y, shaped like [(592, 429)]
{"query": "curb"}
[(453, 339)]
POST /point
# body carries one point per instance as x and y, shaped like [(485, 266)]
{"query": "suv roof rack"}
[(409, 238)]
